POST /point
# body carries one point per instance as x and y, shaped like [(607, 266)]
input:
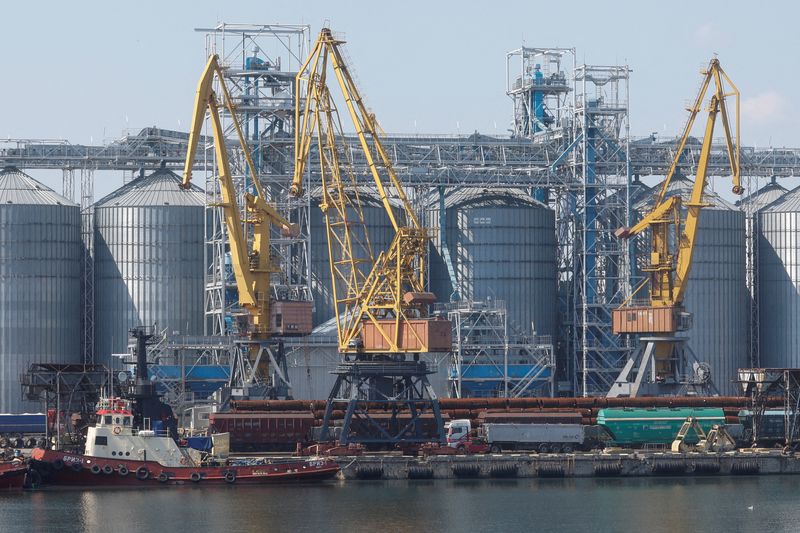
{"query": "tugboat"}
[(134, 443)]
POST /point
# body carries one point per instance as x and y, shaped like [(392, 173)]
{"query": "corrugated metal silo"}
[(502, 246), (40, 282), (381, 234), (751, 205), (717, 294), (779, 281), (148, 260)]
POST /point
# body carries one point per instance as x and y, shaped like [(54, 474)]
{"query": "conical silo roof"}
[(764, 196), (483, 197), (788, 203), (682, 186), (18, 188), (162, 187)]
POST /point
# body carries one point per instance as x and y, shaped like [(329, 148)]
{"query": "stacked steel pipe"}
[(535, 410)]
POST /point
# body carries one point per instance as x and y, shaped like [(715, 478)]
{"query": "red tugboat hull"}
[(61, 469), (12, 476)]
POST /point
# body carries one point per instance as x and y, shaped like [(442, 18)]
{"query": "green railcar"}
[(636, 427)]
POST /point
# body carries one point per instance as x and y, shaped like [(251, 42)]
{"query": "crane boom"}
[(250, 259), (381, 302)]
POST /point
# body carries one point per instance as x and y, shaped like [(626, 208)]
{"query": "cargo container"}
[(541, 437), (530, 418), (436, 335), (263, 431)]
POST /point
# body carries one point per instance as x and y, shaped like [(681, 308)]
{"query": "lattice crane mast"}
[(381, 302), (251, 259), (668, 270)]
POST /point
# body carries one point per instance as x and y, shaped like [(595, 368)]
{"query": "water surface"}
[(649, 505)]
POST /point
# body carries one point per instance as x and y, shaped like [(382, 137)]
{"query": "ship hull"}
[(12, 476), (61, 469)]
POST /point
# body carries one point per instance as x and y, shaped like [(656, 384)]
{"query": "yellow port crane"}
[(251, 260), (381, 302), (661, 355)]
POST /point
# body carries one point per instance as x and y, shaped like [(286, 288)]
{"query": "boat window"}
[(126, 421), (107, 419), (100, 441), (117, 421)]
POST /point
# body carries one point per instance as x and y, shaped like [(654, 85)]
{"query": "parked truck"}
[(543, 438)]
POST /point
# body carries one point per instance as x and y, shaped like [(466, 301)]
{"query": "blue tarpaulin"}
[(200, 443)]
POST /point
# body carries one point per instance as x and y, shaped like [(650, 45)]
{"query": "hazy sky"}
[(87, 71)]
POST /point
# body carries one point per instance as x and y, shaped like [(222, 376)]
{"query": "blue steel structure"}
[(600, 162)]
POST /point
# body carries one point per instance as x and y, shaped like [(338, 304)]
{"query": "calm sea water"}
[(587, 505)]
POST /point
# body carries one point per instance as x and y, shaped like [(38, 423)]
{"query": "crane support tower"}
[(248, 232), (663, 363), (382, 305)]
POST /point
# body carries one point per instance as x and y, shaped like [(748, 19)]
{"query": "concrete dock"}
[(531, 465)]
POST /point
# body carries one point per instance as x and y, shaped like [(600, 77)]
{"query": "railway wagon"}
[(263, 431), (636, 427), (772, 430)]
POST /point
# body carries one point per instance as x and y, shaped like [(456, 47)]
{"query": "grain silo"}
[(148, 260), (381, 234), (40, 282), (779, 281), (751, 205), (501, 246), (717, 294)]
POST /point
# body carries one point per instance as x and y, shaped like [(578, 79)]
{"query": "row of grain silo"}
[(501, 244), (149, 268), (148, 244)]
